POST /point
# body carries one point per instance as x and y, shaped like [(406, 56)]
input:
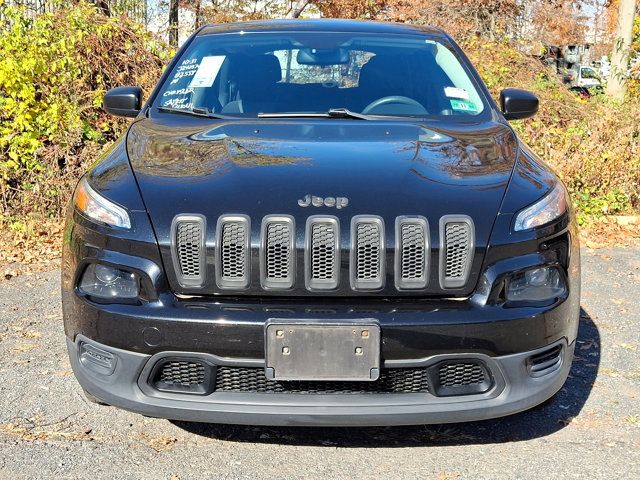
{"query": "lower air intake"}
[(253, 380), (182, 375), (545, 362), (460, 378)]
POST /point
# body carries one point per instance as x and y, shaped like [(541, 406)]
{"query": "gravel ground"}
[(591, 429)]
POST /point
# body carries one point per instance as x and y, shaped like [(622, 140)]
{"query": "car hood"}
[(258, 168)]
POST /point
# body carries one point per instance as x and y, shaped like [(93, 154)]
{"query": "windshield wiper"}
[(331, 113), (195, 111)]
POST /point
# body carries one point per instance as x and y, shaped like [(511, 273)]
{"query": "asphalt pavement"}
[(591, 429)]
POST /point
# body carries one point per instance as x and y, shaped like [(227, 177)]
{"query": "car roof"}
[(321, 25)]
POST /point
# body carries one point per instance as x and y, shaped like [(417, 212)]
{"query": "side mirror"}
[(517, 104), (123, 101)]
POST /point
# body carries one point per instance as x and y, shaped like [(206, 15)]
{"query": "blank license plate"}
[(322, 351)]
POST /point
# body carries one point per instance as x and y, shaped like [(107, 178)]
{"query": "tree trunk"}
[(297, 8), (173, 23), (103, 6), (197, 10), (620, 56)]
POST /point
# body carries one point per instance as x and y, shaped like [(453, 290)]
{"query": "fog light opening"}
[(107, 282)]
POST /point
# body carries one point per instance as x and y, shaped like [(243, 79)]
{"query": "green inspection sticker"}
[(463, 105)]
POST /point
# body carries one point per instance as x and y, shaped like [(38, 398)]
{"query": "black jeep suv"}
[(320, 222)]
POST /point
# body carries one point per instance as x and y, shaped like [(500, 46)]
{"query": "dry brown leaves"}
[(33, 429), (33, 248), (612, 231)]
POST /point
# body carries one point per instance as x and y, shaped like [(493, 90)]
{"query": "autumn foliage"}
[(55, 68)]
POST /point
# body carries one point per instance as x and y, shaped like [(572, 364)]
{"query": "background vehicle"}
[(321, 222), (587, 77)]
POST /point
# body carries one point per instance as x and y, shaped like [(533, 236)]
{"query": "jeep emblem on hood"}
[(338, 202)]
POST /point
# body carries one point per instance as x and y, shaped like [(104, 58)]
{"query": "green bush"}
[(54, 70), (593, 144)]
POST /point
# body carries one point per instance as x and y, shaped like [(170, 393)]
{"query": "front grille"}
[(233, 260), (457, 241), (412, 252), (367, 252), (188, 239), (232, 255), (253, 380), (322, 253), (277, 254)]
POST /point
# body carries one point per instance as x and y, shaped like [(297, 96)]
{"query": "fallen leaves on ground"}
[(159, 444), (611, 231), (33, 248), (32, 429)]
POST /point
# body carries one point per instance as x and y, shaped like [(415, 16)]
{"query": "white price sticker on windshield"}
[(454, 92), (207, 71)]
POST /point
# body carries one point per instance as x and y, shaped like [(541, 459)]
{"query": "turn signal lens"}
[(536, 285), (98, 208), (545, 210)]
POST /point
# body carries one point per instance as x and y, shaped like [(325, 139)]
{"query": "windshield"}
[(246, 74)]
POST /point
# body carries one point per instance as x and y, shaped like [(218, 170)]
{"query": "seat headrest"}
[(382, 71), (262, 69)]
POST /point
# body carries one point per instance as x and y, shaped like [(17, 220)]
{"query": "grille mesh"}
[(323, 251), (188, 245), (233, 251), (461, 374), (253, 380), (457, 238), (412, 265), (368, 254), (182, 373), (278, 251)]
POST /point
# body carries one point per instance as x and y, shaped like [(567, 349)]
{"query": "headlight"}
[(98, 208), (545, 210), (108, 282), (536, 285)]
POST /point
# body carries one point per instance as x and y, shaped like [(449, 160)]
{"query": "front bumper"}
[(514, 389), (229, 331)]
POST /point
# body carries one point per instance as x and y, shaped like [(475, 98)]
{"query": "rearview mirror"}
[(517, 104), (123, 101), (322, 56)]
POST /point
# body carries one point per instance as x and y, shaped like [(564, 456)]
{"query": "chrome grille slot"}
[(412, 253), (367, 253), (322, 253), (277, 252), (188, 249), (456, 250), (233, 259)]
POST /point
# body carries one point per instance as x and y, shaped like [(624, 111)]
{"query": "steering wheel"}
[(393, 99)]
